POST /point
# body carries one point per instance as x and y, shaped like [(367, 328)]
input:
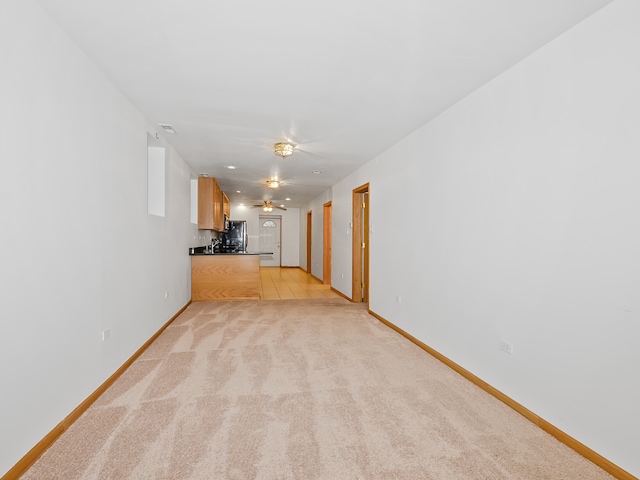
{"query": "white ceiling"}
[(342, 79)]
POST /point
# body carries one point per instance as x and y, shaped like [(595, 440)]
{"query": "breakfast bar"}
[(228, 276)]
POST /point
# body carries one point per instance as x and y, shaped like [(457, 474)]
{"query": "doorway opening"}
[(360, 246), (326, 244)]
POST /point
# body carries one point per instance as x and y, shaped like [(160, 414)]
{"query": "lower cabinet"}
[(215, 277)]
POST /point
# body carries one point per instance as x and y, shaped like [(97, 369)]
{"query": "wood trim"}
[(365, 239), (341, 294), (356, 252), (309, 225), (357, 238), (32, 455), (326, 244), (563, 437)]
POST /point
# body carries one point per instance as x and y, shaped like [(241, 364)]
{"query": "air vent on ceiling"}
[(167, 128)]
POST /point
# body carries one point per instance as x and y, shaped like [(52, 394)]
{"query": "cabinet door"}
[(218, 218), (226, 206), (210, 205), (205, 202)]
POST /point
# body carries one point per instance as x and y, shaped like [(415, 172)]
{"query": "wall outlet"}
[(106, 334), (506, 347), (166, 294)]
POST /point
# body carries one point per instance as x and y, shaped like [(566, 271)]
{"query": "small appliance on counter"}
[(235, 239)]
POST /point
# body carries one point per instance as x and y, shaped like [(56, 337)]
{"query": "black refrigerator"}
[(235, 239)]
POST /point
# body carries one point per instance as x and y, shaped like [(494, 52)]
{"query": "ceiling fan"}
[(268, 206)]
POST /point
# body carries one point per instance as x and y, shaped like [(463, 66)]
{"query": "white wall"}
[(79, 253), (290, 240), (523, 203)]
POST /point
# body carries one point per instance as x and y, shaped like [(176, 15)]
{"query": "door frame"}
[(360, 237), (326, 244), (309, 241)]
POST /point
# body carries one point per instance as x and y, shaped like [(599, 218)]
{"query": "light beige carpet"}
[(299, 389)]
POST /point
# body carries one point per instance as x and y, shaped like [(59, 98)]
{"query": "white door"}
[(270, 241)]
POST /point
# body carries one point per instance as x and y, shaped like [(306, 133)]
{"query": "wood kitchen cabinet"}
[(213, 205), (210, 216), (226, 206), (218, 217)]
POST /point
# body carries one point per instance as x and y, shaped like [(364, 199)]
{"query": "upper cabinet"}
[(210, 205), (226, 206)]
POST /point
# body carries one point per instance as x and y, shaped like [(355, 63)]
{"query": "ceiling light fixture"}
[(267, 206), (230, 167), (283, 149), (273, 183)]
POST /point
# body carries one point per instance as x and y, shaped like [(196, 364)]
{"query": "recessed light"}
[(230, 167), (282, 206), (241, 204), (288, 199), (238, 191), (204, 174), (316, 172)]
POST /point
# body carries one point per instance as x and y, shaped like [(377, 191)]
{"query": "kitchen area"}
[(225, 268)]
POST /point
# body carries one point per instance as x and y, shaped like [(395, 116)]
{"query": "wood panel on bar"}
[(229, 277)]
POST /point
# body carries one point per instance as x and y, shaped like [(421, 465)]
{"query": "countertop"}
[(197, 251)]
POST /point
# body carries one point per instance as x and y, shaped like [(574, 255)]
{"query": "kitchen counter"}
[(202, 251), (209, 254), (225, 276)]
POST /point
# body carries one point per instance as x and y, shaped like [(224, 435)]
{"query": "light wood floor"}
[(280, 283)]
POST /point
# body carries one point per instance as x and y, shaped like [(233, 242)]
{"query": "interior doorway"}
[(309, 241), (360, 246), (326, 244), (270, 235)]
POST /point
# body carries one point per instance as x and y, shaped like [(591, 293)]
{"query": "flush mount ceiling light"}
[(283, 149), (273, 183)]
